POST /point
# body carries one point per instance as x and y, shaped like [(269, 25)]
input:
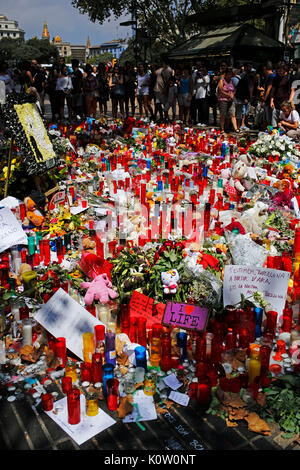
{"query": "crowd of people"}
[(238, 97)]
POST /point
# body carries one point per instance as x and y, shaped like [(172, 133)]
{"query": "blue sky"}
[(62, 19)]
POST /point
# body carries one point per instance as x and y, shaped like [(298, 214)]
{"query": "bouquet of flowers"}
[(275, 145)]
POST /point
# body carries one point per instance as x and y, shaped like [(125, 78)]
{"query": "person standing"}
[(51, 91), (281, 88), (77, 97), (295, 89), (201, 88), (163, 75), (39, 81), (269, 118), (226, 91), (6, 78), (130, 88), (64, 87), (117, 92), (103, 89), (185, 93), (89, 86), (143, 84), (171, 99)]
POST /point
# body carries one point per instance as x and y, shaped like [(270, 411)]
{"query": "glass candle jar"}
[(73, 405), (155, 351), (27, 331), (110, 348), (47, 401), (182, 344), (200, 353), (96, 368), (91, 405), (141, 331), (66, 384), (88, 346), (271, 322), (86, 372), (141, 357), (99, 333), (107, 373), (70, 371), (149, 384), (103, 313), (112, 394), (265, 353)]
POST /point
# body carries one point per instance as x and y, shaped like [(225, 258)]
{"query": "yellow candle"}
[(88, 346)]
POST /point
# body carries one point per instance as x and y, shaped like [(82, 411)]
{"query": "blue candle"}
[(181, 343), (258, 321), (140, 357), (107, 373)]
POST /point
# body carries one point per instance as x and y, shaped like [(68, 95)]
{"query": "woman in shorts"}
[(143, 91), (185, 93), (226, 91)]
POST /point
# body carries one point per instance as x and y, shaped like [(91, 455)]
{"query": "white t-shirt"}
[(293, 117), (143, 84), (201, 86), (64, 83), (9, 83)]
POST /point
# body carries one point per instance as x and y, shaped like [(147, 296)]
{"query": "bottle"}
[(149, 384), (254, 363)]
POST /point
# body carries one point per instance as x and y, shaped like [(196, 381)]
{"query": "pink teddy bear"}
[(98, 289)]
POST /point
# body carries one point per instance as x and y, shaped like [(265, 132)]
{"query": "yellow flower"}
[(14, 161)]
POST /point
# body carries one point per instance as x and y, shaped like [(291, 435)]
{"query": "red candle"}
[(112, 394), (66, 384), (47, 401), (61, 350), (96, 368), (73, 402), (271, 322), (85, 372)]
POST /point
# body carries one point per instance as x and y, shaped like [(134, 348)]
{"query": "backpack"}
[(242, 89)]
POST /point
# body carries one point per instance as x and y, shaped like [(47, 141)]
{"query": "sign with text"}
[(272, 283), (186, 316), (62, 316), (11, 232), (141, 305)]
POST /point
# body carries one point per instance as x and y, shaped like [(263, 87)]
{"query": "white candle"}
[(27, 332)]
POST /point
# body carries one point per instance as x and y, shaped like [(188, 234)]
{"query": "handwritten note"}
[(272, 283), (141, 305), (11, 232), (63, 316), (180, 398), (186, 316), (172, 381)]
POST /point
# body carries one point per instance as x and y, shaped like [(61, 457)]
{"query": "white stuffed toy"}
[(170, 281), (253, 219)]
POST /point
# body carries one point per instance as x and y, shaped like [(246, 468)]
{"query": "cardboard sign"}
[(272, 283), (141, 305), (185, 316), (11, 232), (62, 316)]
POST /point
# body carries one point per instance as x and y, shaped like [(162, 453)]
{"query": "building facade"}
[(10, 29)]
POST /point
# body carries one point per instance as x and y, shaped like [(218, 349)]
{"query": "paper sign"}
[(180, 398), (172, 381), (11, 232), (272, 283), (142, 306), (62, 316), (145, 411), (88, 427), (186, 316)]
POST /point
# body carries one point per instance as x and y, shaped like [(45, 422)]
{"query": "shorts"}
[(160, 98), (227, 108), (183, 100), (143, 91)]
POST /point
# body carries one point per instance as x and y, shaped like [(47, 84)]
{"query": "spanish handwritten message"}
[(185, 316), (11, 232), (272, 283), (142, 305)]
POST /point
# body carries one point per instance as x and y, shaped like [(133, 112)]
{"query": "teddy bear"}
[(99, 289), (170, 281), (35, 209), (89, 245)]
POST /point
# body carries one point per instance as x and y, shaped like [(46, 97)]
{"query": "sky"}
[(63, 19)]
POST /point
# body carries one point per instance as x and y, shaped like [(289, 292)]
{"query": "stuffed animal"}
[(99, 289), (89, 245), (35, 206), (170, 281)]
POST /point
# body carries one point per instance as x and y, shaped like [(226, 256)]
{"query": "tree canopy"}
[(16, 50)]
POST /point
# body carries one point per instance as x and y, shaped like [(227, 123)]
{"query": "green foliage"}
[(15, 50), (283, 405), (101, 58)]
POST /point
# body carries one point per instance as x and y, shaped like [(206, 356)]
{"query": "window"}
[(6, 26)]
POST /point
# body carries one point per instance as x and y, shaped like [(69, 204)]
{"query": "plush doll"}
[(170, 281), (89, 245), (35, 206), (99, 289)]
